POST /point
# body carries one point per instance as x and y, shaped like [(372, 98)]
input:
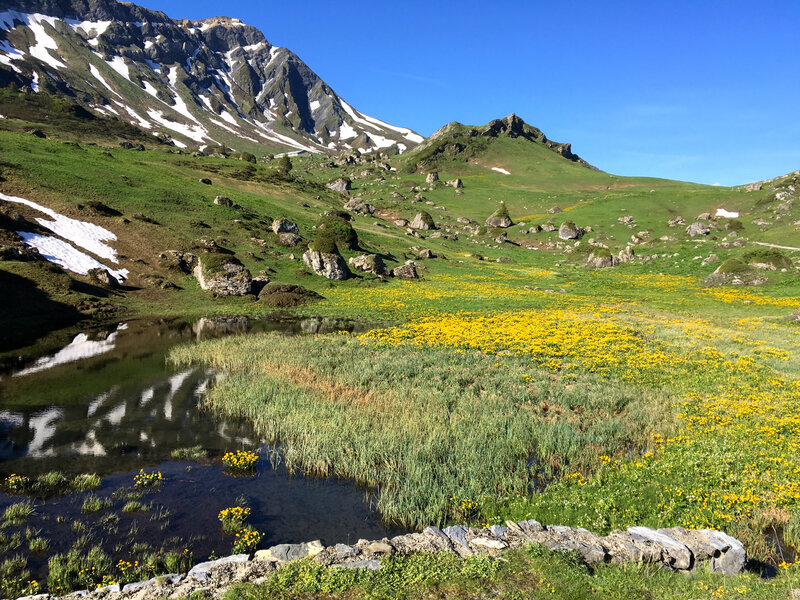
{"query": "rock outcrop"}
[(423, 221), (326, 264), (569, 231), (223, 275), (673, 549), (369, 263), (341, 185)]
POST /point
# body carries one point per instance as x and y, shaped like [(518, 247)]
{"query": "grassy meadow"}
[(510, 381)]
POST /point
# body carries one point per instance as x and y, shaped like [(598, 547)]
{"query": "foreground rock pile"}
[(676, 549)]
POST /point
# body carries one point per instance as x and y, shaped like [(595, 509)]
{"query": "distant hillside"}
[(202, 83), (457, 142)]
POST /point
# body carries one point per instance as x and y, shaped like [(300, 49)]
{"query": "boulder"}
[(406, 271), (103, 278), (569, 231), (223, 275), (549, 226), (341, 185), (401, 222), (676, 221), (704, 216), (288, 240), (600, 259), (455, 183), (554, 210), (500, 218), (286, 552), (284, 225), (423, 221), (754, 187), (357, 205), (326, 264), (432, 177), (697, 228), (626, 255), (206, 181), (369, 263), (711, 258), (223, 201), (178, 260), (286, 295), (735, 272)]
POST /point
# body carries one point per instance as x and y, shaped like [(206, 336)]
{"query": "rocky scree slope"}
[(215, 81)]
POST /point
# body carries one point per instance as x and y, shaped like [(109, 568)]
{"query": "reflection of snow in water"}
[(147, 395), (175, 383), (97, 403), (79, 348), (43, 426), (116, 415), (90, 446)]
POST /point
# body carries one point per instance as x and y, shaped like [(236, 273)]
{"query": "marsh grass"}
[(85, 482), (94, 504), (18, 513), (194, 453), (422, 427)]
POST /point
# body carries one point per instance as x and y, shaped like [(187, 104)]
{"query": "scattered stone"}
[(103, 278), (369, 263), (704, 216), (697, 228), (600, 259), (455, 183), (289, 240), (223, 201), (401, 223), (627, 220), (432, 177), (554, 210), (549, 226), (357, 205), (676, 221), (284, 225), (341, 185), (711, 258)]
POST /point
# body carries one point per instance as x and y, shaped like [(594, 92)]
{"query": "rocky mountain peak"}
[(203, 83)]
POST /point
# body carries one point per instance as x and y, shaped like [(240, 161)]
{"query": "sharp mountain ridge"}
[(217, 81)]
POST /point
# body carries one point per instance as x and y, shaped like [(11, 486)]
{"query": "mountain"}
[(460, 143), (202, 83)]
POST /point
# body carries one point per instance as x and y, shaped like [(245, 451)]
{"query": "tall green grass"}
[(421, 429)]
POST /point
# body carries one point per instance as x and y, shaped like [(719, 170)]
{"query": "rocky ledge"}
[(677, 549)]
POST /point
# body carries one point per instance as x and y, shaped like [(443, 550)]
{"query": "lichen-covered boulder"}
[(326, 261), (406, 271), (369, 263), (601, 258), (500, 218), (569, 231), (223, 274), (697, 228), (341, 185), (284, 225), (423, 221)]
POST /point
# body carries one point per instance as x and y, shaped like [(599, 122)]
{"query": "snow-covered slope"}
[(215, 81)]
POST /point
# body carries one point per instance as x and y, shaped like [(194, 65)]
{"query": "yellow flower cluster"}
[(234, 513), (240, 460), (247, 540), (16, 484), (147, 480)]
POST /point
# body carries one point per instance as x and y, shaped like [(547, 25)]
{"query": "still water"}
[(105, 401)]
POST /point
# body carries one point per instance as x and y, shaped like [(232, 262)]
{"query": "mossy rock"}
[(336, 230), (768, 256), (282, 295), (734, 266)]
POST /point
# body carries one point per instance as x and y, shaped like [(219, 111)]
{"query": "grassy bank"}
[(531, 573)]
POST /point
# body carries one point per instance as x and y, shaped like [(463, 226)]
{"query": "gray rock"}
[(406, 271), (288, 552), (600, 261), (379, 547), (554, 210), (178, 260), (327, 265), (423, 221), (289, 240), (487, 544), (341, 185), (358, 206), (103, 278), (754, 187), (223, 201), (673, 553), (499, 531), (569, 231), (160, 580), (203, 571), (704, 216), (697, 228), (549, 226), (369, 263), (499, 218), (432, 177), (458, 537), (676, 221), (225, 276), (455, 183), (626, 255), (733, 559), (370, 565), (284, 225), (344, 551)]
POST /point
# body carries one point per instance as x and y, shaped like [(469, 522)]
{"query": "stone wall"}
[(677, 549)]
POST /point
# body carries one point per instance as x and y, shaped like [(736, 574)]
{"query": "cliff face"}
[(201, 82)]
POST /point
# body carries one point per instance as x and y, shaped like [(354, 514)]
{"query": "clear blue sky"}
[(704, 91)]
